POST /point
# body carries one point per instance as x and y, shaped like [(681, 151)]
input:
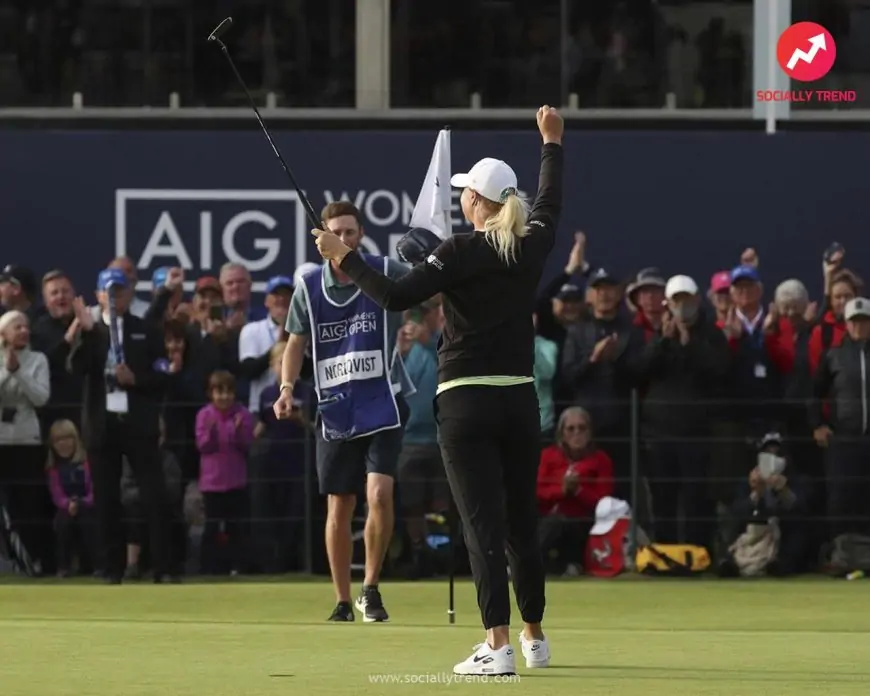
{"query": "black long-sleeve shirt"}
[(487, 304), (682, 379)]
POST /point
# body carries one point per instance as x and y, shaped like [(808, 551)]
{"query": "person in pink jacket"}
[(224, 432)]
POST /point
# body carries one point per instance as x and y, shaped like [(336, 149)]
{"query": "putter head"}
[(219, 31)]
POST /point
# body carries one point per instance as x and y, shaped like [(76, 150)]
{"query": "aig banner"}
[(687, 202)]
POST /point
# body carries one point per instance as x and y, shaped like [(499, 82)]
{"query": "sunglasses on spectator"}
[(576, 428)]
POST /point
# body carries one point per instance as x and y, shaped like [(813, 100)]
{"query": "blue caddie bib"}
[(352, 360)]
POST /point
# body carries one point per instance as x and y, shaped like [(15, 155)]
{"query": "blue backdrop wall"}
[(687, 202)]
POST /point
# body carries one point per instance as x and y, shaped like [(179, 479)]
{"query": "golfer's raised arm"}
[(547, 208)]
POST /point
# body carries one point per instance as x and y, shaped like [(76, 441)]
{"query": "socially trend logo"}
[(806, 51)]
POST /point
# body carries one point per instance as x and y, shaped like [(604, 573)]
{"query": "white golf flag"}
[(432, 210)]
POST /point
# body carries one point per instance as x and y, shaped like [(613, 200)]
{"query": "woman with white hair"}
[(24, 387), (486, 404), (793, 302)]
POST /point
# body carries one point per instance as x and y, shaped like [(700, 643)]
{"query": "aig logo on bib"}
[(332, 331), (362, 323)]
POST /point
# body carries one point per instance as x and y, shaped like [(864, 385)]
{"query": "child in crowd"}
[(69, 480), (133, 514), (224, 432)]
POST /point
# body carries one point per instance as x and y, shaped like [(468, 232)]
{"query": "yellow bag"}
[(672, 559)]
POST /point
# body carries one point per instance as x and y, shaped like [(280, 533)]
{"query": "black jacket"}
[(145, 355), (602, 388), (681, 381), (48, 337), (843, 378)]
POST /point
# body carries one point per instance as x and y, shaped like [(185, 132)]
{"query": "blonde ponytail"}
[(507, 226)]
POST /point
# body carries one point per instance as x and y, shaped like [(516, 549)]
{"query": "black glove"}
[(417, 244)]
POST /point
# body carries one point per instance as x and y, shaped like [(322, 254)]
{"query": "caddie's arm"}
[(299, 329)]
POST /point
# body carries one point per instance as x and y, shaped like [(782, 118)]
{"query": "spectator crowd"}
[(137, 436)]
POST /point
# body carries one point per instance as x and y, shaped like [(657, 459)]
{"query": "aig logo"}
[(200, 230), (332, 332)]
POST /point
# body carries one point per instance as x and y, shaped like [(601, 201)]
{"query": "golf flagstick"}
[(432, 212), (452, 528)]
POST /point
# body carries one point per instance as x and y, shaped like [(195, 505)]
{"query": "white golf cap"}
[(491, 178), (857, 307), (680, 284), (302, 270), (607, 513)]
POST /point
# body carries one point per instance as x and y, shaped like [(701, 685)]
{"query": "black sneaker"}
[(371, 606), (342, 612)]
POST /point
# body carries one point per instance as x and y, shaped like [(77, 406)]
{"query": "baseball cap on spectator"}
[(745, 273), (22, 277), (608, 512), (646, 278), (680, 284), (602, 277), (277, 283), (303, 270), (720, 281), (569, 293), (158, 279), (207, 284), (491, 178), (856, 308), (111, 277), (771, 439)]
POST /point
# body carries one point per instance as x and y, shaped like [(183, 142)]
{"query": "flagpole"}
[(452, 515), (447, 219)]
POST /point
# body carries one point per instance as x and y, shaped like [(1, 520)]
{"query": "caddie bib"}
[(352, 361)]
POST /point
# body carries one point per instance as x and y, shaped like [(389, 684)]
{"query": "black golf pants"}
[(490, 444)]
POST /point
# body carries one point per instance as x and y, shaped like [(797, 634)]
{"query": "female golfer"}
[(486, 406)]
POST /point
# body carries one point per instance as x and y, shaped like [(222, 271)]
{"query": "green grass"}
[(656, 638)]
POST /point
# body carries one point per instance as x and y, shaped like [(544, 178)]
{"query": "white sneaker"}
[(536, 652), (485, 660)]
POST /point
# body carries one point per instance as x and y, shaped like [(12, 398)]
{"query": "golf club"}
[(215, 36)]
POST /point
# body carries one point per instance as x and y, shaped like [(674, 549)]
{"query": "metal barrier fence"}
[(688, 470)]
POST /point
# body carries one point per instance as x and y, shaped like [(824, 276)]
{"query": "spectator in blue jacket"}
[(422, 482), (546, 366), (277, 472)]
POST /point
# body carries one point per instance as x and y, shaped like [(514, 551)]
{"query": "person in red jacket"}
[(829, 332), (573, 476)]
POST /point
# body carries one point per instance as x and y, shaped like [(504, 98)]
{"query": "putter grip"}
[(220, 29)]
